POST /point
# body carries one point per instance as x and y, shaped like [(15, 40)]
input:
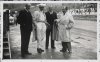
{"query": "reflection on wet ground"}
[(83, 44)]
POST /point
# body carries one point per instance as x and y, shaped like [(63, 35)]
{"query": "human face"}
[(64, 11), (50, 9), (27, 7), (41, 8)]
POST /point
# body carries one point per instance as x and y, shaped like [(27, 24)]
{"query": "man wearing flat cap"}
[(25, 20)]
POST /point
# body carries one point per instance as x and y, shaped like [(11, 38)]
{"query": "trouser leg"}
[(69, 46), (22, 42), (28, 40), (41, 35), (25, 36), (39, 42), (52, 44), (47, 37), (63, 47), (52, 41)]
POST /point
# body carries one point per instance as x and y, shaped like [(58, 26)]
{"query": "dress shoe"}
[(42, 50), (23, 55), (63, 50), (53, 47), (46, 48), (39, 50), (28, 53)]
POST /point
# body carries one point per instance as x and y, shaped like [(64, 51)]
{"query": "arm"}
[(36, 16), (46, 18), (57, 17), (71, 22), (34, 19), (19, 17)]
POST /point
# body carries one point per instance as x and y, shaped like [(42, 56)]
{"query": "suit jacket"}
[(25, 19), (51, 17)]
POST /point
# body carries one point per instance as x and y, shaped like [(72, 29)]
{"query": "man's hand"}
[(69, 26), (57, 20), (47, 23)]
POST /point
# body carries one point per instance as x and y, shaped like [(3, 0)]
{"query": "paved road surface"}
[(83, 44)]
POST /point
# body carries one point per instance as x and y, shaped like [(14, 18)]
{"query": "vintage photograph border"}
[(49, 60)]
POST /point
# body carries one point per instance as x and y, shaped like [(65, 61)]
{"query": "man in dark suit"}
[(25, 21), (50, 17)]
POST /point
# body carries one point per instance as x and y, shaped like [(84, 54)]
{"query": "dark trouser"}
[(66, 46), (25, 37), (48, 31)]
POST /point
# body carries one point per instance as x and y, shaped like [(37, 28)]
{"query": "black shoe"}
[(28, 53), (63, 50), (53, 47), (42, 50), (46, 48), (39, 50), (23, 55)]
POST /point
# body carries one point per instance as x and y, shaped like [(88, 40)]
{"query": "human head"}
[(65, 9), (27, 6), (50, 9), (41, 7)]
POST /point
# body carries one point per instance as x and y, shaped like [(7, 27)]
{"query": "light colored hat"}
[(32, 6), (28, 4), (5, 10), (41, 5)]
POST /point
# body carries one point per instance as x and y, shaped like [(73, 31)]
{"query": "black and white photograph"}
[(0, 32), (50, 0), (99, 33), (50, 31)]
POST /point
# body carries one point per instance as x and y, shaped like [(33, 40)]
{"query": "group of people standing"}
[(50, 23)]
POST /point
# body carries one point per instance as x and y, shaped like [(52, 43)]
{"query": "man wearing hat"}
[(40, 21), (25, 20)]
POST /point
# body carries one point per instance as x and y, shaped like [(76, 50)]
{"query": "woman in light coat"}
[(65, 23)]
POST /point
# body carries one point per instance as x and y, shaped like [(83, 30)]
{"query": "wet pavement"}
[(84, 44)]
